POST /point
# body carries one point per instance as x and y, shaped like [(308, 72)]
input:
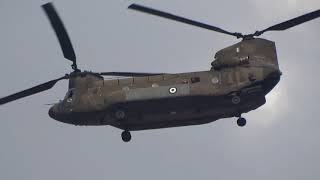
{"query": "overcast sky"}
[(280, 141)]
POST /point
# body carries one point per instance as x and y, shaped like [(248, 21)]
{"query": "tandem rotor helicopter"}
[(240, 77)]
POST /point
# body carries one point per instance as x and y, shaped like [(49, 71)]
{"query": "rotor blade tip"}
[(47, 4), (131, 6)]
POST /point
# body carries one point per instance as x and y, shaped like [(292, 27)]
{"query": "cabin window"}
[(215, 80), (154, 85), (195, 79), (185, 81)]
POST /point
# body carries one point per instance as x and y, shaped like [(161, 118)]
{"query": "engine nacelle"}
[(249, 51)]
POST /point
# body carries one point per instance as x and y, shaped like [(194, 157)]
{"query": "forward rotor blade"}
[(60, 31), (180, 19), (291, 23), (128, 74), (31, 91)]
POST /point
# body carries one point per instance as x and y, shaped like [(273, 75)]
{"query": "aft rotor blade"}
[(128, 74), (60, 31), (30, 91), (291, 23), (180, 19)]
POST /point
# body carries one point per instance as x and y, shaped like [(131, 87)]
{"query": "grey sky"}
[(281, 140)]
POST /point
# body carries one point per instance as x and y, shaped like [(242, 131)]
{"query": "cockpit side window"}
[(70, 95)]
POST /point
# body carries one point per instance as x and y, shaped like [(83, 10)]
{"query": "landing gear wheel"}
[(120, 114), (235, 99), (126, 136), (241, 122)]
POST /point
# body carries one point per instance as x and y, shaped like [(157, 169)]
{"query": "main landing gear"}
[(121, 115), (126, 136), (241, 121)]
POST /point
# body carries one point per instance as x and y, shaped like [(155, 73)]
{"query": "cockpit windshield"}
[(70, 95)]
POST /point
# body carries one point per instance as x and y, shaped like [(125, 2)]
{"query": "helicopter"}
[(237, 82)]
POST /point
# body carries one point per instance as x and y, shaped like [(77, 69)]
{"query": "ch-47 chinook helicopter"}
[(238, 81)]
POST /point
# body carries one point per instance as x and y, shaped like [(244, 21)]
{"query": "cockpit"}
[(61, 110)]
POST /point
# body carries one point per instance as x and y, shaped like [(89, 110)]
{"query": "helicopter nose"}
[(53, 112)]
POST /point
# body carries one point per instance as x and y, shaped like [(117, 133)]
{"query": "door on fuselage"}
[(95, 96)]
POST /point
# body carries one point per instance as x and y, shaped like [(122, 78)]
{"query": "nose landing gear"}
[(241, 121), (126, 136)]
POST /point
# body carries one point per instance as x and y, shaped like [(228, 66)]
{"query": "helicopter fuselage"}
[(240, 77)]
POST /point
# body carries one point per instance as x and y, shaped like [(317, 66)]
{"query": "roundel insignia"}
[(172, 90)]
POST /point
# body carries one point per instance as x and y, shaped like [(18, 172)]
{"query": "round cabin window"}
[(215, 80), (172, 90)]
